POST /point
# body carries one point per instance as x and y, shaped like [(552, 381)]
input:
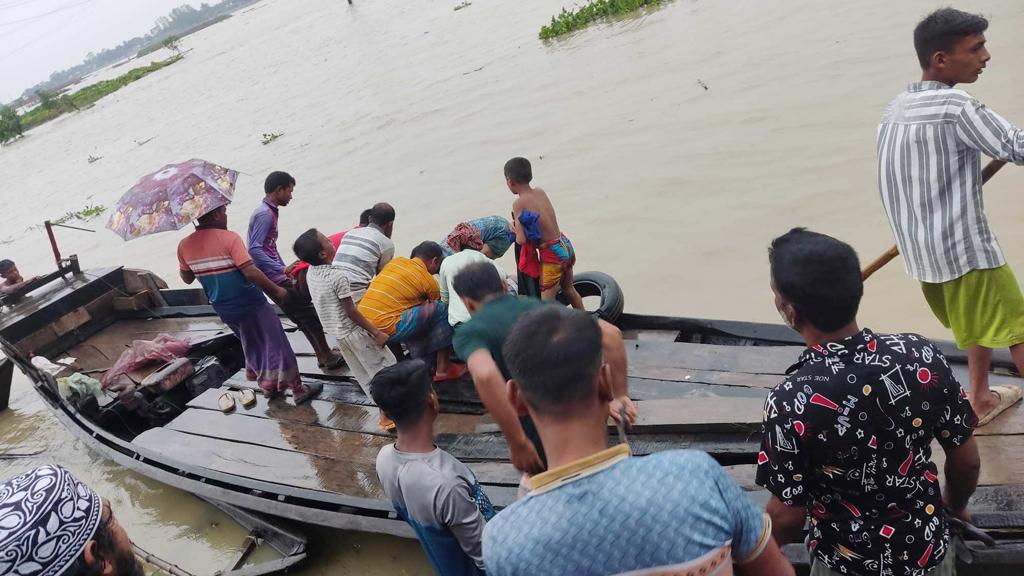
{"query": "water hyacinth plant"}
[(569, 20), (85, 214), (269, 137)]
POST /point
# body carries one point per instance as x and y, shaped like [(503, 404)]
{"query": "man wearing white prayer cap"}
[(52, 524)]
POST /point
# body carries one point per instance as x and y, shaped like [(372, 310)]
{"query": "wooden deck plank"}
[(1000, 459), (645, 355), (699, 414), (339, 445), (338, 415), (680, 375), (282, 435), (263, 463), (305, 451)]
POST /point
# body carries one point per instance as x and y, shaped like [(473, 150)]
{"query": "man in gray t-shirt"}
[(430, 489)]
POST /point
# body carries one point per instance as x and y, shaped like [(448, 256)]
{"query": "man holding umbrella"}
[(217, 257), (200, 191)]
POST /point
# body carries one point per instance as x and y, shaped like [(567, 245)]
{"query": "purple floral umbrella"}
[(172, 198)]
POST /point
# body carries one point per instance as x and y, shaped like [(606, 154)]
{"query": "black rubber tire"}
[(603, 285)]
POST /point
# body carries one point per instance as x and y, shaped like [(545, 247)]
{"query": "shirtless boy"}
[(535, 225), (13, 281)]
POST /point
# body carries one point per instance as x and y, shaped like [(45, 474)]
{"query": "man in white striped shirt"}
[(930, 143), (363, 252)]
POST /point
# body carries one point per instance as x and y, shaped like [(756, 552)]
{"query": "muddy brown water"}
[(673, 188)]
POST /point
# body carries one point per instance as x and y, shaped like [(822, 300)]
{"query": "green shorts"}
[(982, 307)]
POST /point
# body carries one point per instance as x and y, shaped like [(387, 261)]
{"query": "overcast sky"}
[(38, 37)]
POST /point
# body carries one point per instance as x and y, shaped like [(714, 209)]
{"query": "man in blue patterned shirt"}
[(597, 510)]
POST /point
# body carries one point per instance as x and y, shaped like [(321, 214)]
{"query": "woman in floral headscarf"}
[(489, 235)]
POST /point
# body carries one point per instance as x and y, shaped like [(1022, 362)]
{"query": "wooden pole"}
[(987, 173), (163, 565)]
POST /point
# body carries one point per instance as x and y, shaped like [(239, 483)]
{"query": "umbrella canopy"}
[(171, 198)]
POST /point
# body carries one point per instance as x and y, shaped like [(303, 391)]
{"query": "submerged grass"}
[(85, 214), (569, 20), (89, 95)]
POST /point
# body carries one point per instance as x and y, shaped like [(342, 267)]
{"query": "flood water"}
[(675, 145)]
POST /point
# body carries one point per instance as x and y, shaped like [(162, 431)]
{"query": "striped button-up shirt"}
[(362, 253), (930, 144)]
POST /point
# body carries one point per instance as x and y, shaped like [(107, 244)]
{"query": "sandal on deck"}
[(308, 392), (1008, 396), (248, 398), (226, 402)]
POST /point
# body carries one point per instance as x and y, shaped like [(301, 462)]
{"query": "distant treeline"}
[(156, 45), (51, 106), (180, 22)]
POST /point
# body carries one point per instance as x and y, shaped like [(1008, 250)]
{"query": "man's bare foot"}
[(454, 372)]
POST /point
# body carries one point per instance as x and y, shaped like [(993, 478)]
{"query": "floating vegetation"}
[(270, 137), (85, 214), (570, 20), (465, 4)]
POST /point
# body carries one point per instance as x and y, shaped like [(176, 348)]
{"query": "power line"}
[(43, 35), (44, 14), (15, 4)]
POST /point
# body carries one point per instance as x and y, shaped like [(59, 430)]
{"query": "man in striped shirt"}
[(363, 252), (930, 143)]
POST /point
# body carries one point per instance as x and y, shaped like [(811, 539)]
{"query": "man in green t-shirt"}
[(479, 342)]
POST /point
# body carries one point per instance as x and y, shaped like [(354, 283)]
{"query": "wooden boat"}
[(698, 383)]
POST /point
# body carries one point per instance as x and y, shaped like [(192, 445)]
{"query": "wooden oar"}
[(987, 172)]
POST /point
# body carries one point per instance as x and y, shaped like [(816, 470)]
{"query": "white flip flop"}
[(226, 402), (1008, 396)]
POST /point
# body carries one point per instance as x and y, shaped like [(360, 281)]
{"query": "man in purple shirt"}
[(262, 247)]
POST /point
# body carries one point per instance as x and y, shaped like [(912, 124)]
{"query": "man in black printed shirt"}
[(847, 435)]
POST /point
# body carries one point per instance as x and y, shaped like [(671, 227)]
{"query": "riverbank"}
[(89, 95)]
